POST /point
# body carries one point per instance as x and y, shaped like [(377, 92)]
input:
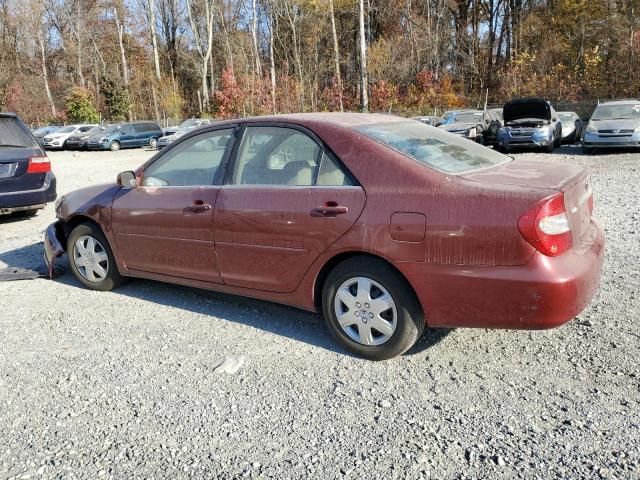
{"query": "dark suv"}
[(26, 180), (128, 135)]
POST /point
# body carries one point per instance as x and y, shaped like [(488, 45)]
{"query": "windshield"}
[(567, 117), (45, 130), (192, 122), (617, 112), (95, 130), (467, 117), (432, 147), (66, 130), (111, 129)]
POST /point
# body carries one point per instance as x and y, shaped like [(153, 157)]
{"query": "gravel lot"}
[(129, 383)]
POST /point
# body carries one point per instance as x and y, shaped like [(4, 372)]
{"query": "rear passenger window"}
[(276, 156), (331, 174)]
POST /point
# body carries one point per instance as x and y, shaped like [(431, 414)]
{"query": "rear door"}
[(17, 146), (285, 201), (165, 225)]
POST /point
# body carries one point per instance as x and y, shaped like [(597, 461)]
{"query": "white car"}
[(57, 139)]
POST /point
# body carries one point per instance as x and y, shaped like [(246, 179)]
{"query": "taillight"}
[(546, 226), (39, 165)]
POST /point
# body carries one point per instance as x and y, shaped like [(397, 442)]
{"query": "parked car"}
[(188, 123), (40, 133), (413, 226), (27, 183), (571, 126), (614, 124), (185, 127), (477, 125), (529, 122), (78, 141), (58, 140), (432, 120), (128, 135)]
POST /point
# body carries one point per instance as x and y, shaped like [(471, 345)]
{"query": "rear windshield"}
[(467, 117), (434, 147), (12, 134)]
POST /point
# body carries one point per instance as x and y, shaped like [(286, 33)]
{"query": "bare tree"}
[(201, 22), (364, 81), (336, 52)]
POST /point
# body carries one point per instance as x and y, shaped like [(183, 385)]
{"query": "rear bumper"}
[(544, 293), (13, 201), (53, 245)]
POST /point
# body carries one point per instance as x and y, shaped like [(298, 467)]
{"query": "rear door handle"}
[(329, 210), (198, 207)]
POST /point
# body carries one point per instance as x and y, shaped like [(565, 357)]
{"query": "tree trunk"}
[(254, 37), (272, 66), (364, 81), (336, 53), (45, 76)]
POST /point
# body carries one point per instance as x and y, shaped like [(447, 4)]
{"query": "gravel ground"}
[(159, 381)]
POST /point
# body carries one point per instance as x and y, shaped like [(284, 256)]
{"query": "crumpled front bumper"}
[(53, 247)]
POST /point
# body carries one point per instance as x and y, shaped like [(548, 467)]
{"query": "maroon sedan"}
[(383, 224)]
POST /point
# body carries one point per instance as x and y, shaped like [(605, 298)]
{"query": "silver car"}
[(184, 128), (613, 125), (529, 122)]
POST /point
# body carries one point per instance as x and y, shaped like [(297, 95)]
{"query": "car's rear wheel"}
[(115, 146), (371, 309), (153, 143), (91, 259)]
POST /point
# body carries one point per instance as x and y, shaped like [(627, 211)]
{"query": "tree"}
[(116, 99), (364, 80), (79, 106)]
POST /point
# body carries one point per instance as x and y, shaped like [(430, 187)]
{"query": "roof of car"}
[(620, 102), (7, 114), (345, 119)]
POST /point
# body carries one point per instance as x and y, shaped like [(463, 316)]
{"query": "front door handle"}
[(198, 207), (330, 209)]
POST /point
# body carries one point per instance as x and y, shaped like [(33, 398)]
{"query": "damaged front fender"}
[(53, 245)]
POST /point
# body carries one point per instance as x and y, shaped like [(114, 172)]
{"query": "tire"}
[(400, 312), (549, 148), (115, 146), (153, 143), (558, 141), (88, 234)]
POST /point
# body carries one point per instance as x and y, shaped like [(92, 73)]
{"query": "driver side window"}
[(193, 162)]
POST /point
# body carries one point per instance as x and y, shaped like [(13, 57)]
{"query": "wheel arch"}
[(71, 223), (330, 264)]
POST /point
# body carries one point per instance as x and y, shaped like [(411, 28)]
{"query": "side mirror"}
[(127, 179)]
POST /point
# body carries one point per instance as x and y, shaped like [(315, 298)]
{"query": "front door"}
[(284, 203), (127, 136), (165, 225)]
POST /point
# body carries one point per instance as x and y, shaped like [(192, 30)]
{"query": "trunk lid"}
[(572, 180), (14, 163)]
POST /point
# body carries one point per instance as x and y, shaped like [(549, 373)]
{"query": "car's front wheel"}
[(153, 143), (91, 259), (371, 309), (115, 146)]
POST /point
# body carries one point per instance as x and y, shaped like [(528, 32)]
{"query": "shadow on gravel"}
[(15, 217), (272, 317)]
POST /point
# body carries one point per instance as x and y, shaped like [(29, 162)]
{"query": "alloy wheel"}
[(365, 311)]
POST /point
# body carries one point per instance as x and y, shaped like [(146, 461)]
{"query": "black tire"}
[(549, 148), (115, 146), (410, 321), (153, 143), (32, 212), (113, 279), (558, 140)]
